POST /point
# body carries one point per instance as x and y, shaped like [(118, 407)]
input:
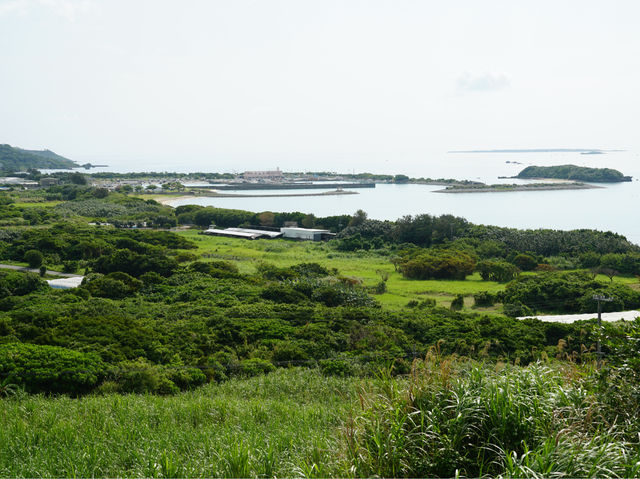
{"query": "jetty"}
[(284, 186)]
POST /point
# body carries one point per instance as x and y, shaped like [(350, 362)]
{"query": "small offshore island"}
[(572, 177), (574, 173), (499, 188)]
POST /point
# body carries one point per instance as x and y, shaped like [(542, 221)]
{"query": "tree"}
[(78, 179), (100, 192), (525, 262), (34, 258), (608, 272), (358, 218), (437, 264), (266, 218), (500, 270), (308, 221)]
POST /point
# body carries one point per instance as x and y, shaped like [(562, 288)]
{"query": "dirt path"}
[(34, 270)]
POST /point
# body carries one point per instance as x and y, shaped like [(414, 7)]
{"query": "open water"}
[(616, 207)]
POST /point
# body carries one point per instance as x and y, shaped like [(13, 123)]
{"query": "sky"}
[(365, 85)]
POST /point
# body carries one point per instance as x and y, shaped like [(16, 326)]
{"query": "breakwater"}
[(285, 186)]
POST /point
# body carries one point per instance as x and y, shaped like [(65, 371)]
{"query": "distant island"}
[(573, 173), (500, 188), (588, 151), (17, 159)]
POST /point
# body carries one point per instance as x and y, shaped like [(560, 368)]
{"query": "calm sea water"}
[(612, 208)]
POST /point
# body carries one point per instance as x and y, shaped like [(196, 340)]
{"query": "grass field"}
[(364, 266), (280, 425), (36, 204)]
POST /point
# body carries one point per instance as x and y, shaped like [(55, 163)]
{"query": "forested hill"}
[(575, 173), (16, 159)]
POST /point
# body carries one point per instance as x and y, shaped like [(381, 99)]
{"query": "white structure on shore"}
[(263, 175), (306, 234)]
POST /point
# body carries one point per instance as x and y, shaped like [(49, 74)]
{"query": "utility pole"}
[(600, 299)]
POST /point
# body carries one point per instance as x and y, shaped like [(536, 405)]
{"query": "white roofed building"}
[(273, 175)]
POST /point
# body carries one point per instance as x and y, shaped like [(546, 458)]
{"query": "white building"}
[(263, 175), (306, 234), (244, 233)]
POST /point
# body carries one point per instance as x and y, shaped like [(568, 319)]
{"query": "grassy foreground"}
[(447, 418), (283, 424)]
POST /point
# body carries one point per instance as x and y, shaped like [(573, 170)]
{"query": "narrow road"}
[(33, 270)]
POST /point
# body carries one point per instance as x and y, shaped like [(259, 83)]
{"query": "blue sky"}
[(246, 84)]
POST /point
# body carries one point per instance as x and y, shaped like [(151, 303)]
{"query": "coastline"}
[(216, 194), (511, 188)]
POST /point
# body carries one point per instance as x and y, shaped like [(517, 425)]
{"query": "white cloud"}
[(13, 6), (482, 82), (68, 9)]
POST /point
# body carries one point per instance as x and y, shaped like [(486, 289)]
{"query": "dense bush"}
[(216, 269), (141, 376), (458, 303), (50, 369), (497, 270), (568, 293), (525, 262), (484, 299), (15, 283), (628, 263), (34, 258), (437, 264), (114, 285)]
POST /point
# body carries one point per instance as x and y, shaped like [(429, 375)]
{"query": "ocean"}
[(612, 208)]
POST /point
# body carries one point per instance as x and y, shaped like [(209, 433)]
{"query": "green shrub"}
[(19, 284), (281, 293), (335, 367), (425, 303), (525, 262), (34, 258), (253, 367), (140, 376), (217, 269), (516, 309), (484, 299), (50, 369), (437, 264), (114, 286), (458, 303), (497, 270)]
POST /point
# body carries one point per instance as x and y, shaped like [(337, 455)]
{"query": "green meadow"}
[(363, 266)]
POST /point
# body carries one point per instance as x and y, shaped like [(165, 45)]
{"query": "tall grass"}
[(281, 424), (447, 418), (450, 418)]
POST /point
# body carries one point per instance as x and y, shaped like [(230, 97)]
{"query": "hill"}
[(16, 159), (575, 173)]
